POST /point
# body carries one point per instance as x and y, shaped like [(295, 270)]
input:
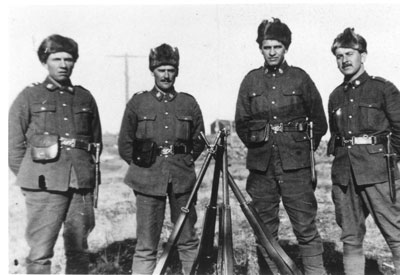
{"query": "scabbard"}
[(392, 181)]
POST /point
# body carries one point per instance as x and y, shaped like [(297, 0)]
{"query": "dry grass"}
[(112, 242)]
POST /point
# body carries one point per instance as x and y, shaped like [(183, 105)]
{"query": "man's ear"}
[(363, 57)]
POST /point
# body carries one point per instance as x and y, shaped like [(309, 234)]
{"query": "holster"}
[(144, 152), (258, 131), (44, 147)]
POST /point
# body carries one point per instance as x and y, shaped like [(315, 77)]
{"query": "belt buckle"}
[(70, 142), (277, 128), (365, 139), (167, 151)]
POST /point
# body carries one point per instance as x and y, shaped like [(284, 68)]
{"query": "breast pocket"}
[(184, 127), (371, 116), (258, 104), (83, 116), (44, 117), (293, 101), (146, 126)]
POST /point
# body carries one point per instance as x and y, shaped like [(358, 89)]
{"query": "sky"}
[(216, 44)]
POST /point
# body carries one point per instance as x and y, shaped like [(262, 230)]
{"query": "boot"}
[(353, 260), (313, 265), (396, 260)]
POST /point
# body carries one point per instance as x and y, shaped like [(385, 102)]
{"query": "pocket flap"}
[(38, 107), (255, 125), (82, 109), (184, 118), (375, 149), (147, 117)]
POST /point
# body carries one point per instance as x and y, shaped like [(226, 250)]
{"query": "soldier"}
[(159, 140), (52, 127), (363, 111), (274, 104)]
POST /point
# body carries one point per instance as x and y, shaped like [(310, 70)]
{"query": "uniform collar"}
[(53, 85), (159, 95), (356, 82), (276, 69)]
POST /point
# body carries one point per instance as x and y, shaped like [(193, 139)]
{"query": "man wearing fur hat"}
[(159, 139), (364, 119), (274, 105), (52, 128)]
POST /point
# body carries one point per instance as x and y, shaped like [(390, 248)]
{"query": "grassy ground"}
[(113, 240)]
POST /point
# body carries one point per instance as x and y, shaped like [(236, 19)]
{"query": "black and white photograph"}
[(202, 138)]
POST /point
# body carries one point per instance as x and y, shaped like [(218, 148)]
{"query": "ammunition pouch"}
[(44, 147), (144, 152), (258, 131)]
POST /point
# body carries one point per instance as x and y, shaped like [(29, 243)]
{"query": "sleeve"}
[(243, 113), (331, 143), (316, 111), (18, 122), (198, 126), (392, 102), (127, 134)]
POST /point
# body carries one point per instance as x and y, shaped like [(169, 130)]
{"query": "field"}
[(112, 242)]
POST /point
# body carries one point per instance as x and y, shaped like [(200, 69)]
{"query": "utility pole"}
[(126, 56)]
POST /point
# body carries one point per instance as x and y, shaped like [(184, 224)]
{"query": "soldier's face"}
[(164, 76), (60, 65), (273, 52), (350, 62)]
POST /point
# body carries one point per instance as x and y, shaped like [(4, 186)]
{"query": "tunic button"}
[(273, 102), (273, 74), (351, 100), (42, 108), (64, 104), (349, 147), (166, 113), (275, 117), (67, 134), (65, 118), (166, 127), (165, 101), (273, 87), (350, 132), (61, 92), (166, 141), (350, 116)]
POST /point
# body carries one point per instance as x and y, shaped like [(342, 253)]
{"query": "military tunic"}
[(366, 106), (46, 108), (285, 96), (165, 119)]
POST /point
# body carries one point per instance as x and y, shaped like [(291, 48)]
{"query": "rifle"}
[(97, 174), (173, 238), (314, 179), (390, 165)]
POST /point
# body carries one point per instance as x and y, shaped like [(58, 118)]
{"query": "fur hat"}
[(57, 43), (163, 55), (349, 39), (274, 30)]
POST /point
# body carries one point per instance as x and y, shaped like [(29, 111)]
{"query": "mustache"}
[(166, 80), (345, 65)]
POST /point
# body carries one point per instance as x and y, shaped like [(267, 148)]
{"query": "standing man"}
[(364, 119), (159, 139), (52, 128), (273, 108)]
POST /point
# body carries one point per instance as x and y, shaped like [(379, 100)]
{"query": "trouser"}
[(295, 188), (353, 204), (46, 212), (150, 218)]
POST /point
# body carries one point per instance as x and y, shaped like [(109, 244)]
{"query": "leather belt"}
[(172, 150), (76, 143), (289, 127), (363, 140)]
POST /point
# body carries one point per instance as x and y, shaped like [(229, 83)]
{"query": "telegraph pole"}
[(126, 56)]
